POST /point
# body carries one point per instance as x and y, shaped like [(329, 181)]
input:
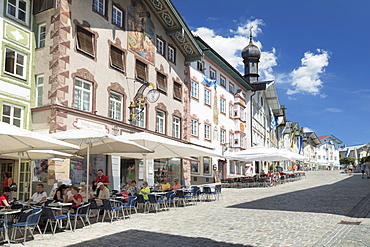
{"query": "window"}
[(206, 165), (231, 140), (222, 106), (223, 81), (83, 95), (115, 106), (140, 117), (207, 132), (231, 88), (160, 46), (241, 110), (160, 123), (12, 114), (223, 136), (117, 16), (231, 111), (200, 66), (85, 41), (171, 54), (176, 127), (241, 141), (99, 6), (117, 58), (194, 89), (15, 63), (140, 71), (212, 74), (194, 165), (42, 5), (161, 82), (17, 9), (207, 96), (41, 35), (39, 90), (194, 127), (177, 91)]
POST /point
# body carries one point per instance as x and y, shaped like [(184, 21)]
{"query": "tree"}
[(365, 159), (347, 160)]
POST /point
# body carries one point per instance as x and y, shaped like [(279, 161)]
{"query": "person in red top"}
[(5, 197), (76, 198), (8, 182), (101, 178)]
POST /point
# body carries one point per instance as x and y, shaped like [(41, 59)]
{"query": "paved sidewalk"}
[(302, 213)]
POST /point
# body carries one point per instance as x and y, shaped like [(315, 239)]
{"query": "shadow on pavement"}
[(145, 238), (342, 198)]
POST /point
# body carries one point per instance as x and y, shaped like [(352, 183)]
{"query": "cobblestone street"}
[(302, 213)]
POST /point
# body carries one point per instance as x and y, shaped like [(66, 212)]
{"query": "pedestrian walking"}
[(350, 168), (363, 168), (367, 170)]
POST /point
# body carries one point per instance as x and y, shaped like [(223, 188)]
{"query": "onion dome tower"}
[(251, 57)]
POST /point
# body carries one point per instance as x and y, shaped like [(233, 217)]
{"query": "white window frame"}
[(160, 46), (212, 74), (222, 81), (194, 89), (207, 96), (231, 110), (140, 122), (222, 136), (17, 10), (207, 132), (222, 105), (23, 66), (171, 54), (11, 117), (39, 90), (115, 14), (176, 130), (194, 127), (97, 6), (115, 111), (231, 140), (41, 35), (231, 88), (83, 91), (160, 122)]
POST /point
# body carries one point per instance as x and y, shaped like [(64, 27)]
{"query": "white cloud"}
[(230, 47), (335, 110), (306, 79)]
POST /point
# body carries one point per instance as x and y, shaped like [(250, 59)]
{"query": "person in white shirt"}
[(40, 195)]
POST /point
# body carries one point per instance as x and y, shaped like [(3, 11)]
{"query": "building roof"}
[(176, 28), (220, 61), (353, 147), (331, 137)]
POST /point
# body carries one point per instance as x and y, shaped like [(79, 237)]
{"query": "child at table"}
[(5, 197)]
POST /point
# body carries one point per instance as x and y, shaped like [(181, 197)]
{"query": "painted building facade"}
[(328, 152)]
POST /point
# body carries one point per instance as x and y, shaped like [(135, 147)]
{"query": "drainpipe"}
[(251, 114)]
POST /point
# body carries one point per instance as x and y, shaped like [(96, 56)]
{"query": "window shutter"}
[(85, 41), (161, 82), (177, 91), (140, 70), (116, 56)]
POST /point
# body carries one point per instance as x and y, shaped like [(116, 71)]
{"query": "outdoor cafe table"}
[(60, 204), (5, 213)]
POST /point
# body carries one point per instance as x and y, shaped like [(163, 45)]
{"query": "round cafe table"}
[(5, 212)]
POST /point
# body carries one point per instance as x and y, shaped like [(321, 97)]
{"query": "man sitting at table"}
[(5, 197), (176, 186), (103, 191), (40, 195), (165, 185)]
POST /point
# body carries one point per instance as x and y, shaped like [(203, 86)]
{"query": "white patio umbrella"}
[(292, 155), (93, 141), (39, 155), (164, 147), (258, 153), (15, 140)]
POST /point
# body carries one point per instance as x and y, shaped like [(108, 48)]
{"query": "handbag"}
[(13, 187)]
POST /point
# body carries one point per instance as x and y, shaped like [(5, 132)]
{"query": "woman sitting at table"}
[(76, 199), (86, 195), (5, 197), (145, 190), (133, 190), (176, 186), (59, 194)]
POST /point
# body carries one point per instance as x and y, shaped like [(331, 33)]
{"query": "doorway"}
[(5, 166)]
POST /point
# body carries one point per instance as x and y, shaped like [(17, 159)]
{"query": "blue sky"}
[(317, 52)]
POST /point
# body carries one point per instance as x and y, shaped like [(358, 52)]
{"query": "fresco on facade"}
[(140, 30)]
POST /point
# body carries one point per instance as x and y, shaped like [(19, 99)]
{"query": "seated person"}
[(133, 190), (263, 174), (40, 195), (176, 186), (127, 185), (5, 197), (86, 195), (52, 193), (145, 190), (165, 185), (60, 193), (103, 191), (76, 198)]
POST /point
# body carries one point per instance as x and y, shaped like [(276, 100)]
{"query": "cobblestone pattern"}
[(302, 213)]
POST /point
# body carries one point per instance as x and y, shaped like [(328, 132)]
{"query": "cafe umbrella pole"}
[(88, 166)]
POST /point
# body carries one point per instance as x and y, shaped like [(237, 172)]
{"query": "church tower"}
[(251, 57)]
